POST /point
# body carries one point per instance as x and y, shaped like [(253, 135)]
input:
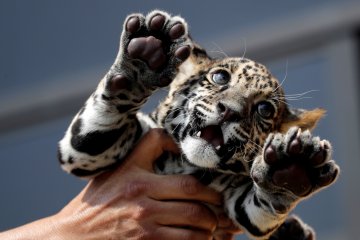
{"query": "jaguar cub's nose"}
[(227, 114)]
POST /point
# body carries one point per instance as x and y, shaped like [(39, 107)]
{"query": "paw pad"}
[(177, 31), (270, 156), (148, 49), (157, 22), (296, 162), (149, 40), (327, 174), (294, 178), (318, 158), (133, 24), (295, 146), (118, 82), (182, 52), (152, 47)]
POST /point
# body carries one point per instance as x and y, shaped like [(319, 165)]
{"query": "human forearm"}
[(132, 202), (50, 228)]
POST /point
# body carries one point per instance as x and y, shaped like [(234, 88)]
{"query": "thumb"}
[(150, 148)]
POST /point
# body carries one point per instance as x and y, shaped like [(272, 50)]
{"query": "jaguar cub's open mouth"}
[(213, 135), (209, 147)]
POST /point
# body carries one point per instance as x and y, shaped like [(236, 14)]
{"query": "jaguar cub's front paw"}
[(152, 48), (152, 38), (295, 162)]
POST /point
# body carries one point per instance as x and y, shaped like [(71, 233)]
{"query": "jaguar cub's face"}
[(224, 112)]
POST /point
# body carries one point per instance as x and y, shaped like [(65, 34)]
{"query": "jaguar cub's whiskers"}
[(245, 47), (285, 77), (220, 50)]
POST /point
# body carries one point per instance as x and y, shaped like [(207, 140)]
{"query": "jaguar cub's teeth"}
[(198, 134), (218, 147)]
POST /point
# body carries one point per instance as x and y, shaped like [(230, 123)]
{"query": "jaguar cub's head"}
[(222, 113)]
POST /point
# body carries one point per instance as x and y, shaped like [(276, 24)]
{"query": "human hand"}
[(133, 202), (226, 229)]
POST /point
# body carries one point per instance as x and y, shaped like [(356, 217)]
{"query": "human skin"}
[(132, 202)]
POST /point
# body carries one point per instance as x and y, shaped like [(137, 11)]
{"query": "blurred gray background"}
[(52, 54)]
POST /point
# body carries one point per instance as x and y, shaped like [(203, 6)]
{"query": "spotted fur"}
[(229, 117)]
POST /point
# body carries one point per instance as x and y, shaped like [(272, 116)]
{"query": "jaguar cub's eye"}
[(221, 77), (265, 109)]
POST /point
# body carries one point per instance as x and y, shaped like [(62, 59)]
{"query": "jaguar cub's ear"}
[(199, 55), (305, 119)]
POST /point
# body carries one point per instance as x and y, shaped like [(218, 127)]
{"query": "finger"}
[(230, 230), (174, 233), (150, 148), (186, 214), (226, 229), (223, 236), (224, 221), (182, 187)]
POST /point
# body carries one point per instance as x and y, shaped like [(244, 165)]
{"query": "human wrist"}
[(47, 228)]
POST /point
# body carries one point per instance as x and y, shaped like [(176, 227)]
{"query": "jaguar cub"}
[(229, 117)]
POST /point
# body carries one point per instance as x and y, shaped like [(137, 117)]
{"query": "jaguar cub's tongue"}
[(213, 135)]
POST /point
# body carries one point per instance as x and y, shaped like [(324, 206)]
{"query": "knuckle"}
[(189, 185), (142, 210), (143, 235), (139, 231), (198, 213), (134, 189)]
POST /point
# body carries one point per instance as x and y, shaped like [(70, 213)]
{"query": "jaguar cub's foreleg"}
[(291, 167), (293, 229), (105, 129)]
